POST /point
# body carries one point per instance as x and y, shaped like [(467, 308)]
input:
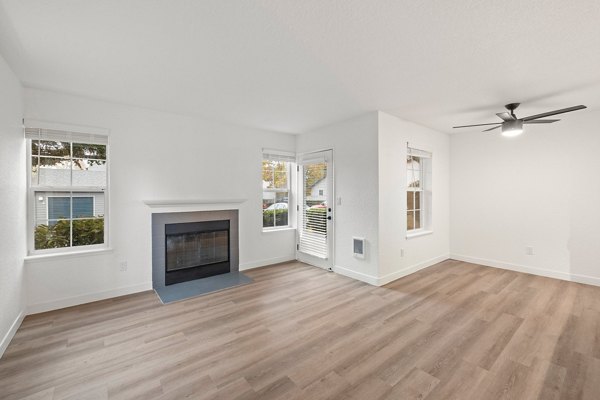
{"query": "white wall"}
[(155, 155), (354, 145), (12, 205), (540, 189), (421, 251)]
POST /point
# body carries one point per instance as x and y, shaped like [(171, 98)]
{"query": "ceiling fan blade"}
[(541, 121), (506, 116), (468, 126), (491, 129), (549, 113)]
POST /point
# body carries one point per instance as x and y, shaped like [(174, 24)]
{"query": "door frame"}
[(329, 262)]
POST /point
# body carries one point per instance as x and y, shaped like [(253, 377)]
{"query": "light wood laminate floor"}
[(451, 331)]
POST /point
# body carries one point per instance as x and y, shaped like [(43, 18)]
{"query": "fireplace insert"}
[(195, 250)]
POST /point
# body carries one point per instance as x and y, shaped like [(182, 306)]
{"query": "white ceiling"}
[(291, 65)]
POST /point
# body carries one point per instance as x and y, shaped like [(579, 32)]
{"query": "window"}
[(67, 187), (276, 184), (418, 190)]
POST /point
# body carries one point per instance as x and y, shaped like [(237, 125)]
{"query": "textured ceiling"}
[(291, 65)]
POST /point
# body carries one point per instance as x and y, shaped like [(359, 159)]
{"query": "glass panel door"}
[(315, 211)]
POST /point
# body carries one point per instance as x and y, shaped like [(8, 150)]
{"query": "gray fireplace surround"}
[(179, 291)]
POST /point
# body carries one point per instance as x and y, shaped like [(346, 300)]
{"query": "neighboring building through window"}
[(276, 184), (418, 190), (59, 207), (67, 189)]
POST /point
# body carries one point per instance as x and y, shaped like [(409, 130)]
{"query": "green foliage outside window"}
[(281, 217), (313, 173), (52, 153), (275, 173), (57, 235)]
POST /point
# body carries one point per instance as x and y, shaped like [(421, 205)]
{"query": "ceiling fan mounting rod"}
[(512, 107)]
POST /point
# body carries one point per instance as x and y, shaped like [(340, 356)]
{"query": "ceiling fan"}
[(513, 126)]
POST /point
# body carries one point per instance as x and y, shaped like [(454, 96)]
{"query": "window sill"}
[(62, 256), (287, 228), (417, 234)]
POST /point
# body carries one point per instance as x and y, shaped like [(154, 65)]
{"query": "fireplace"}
[(196, 250), (192, 245)]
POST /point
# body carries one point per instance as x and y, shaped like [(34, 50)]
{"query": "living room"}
[(370, 250)]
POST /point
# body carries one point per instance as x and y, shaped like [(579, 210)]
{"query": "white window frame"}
[(425, 190), (289, 159), (67, 190)]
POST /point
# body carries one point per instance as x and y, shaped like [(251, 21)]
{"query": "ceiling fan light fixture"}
[(512, 128)]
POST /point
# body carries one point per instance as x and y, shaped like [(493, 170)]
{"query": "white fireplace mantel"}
[(178, 205)]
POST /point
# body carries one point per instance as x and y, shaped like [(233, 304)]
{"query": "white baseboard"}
[(87, 298), (375, 281), (370, 279), (11, 332), (590, 280), (410, 270), (267, 261)]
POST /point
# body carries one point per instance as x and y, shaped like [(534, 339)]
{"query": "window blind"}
[(309, 158), (410, 151), (65, 136), (276, 155)]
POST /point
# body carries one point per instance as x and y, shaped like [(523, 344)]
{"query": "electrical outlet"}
[(529, 250), (401, 252), (123, 266)]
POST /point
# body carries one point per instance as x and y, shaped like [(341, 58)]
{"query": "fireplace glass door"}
[(194, 249)]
